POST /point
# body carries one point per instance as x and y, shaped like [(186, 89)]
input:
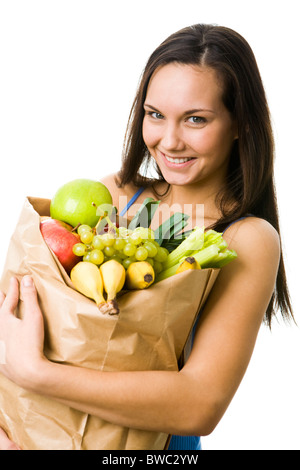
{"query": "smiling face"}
[(187, 128)]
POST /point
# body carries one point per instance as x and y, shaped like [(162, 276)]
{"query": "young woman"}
[(201, 116)]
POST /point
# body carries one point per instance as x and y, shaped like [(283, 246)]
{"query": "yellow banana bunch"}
[(113, 275), (188, 263), (91, 281), (139, 275), (87, 279)]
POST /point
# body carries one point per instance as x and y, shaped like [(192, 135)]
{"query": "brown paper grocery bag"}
[(149, 334)]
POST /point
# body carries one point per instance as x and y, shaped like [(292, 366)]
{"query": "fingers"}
[(10, 301), (6, 443), (28, 290), (29, 296), (2, 298), (28, 285)]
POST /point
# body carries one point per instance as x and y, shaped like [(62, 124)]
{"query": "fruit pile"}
[(110, 278), (103, 258), (100, 257), (124, 245), (125, 258)]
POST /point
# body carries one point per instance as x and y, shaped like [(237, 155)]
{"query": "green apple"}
[(76, 202)]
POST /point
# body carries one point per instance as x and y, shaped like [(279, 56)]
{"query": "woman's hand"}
[(22, 340), (6, 443)]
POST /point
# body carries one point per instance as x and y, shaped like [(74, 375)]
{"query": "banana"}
[(87, 279), (139, 275), (188, 263), (113, 275)]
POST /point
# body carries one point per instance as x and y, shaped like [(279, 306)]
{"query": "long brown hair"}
[(250, 179)]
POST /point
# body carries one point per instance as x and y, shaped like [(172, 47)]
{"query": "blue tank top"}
[(176, 442)]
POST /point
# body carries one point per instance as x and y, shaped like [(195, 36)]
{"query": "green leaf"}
[(171, 227), (145, 214), (179, 225)]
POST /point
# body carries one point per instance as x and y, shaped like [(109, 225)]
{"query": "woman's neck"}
[(197, 201)]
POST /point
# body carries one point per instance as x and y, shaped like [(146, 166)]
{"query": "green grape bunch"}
[(124, 245)]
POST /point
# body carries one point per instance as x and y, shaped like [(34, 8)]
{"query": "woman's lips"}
[(177, 162)]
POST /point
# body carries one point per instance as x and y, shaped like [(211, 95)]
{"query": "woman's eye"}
[(197, 120), (154, 115)]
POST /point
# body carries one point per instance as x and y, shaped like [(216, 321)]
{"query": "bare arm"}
[(193, 400)]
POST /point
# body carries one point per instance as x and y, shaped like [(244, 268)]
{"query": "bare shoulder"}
[(244, 286), (119, 194), (250, 279), (254, 239), (111, 182), (122, 195)]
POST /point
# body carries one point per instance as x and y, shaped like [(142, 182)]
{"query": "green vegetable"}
[(145, 214), (223, 258), (169, 231), (206, 255), (189, 245), (212, 252)]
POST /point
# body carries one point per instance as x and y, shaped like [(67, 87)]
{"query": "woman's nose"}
[(172, 139)]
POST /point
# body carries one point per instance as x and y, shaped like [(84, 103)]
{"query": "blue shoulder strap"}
[(132, 200), (237, 220)]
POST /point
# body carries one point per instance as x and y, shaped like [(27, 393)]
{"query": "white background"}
[(69, 71)]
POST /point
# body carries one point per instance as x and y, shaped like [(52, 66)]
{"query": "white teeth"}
[(177, 160)]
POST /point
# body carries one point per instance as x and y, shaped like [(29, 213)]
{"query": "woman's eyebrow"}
[(199, 110), (150, 106), (190, 111)]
